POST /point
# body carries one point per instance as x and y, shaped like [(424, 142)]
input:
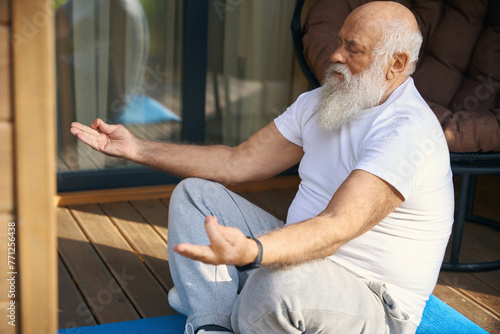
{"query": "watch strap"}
[(255, 264)]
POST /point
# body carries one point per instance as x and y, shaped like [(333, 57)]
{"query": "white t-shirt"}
[(400, 141)]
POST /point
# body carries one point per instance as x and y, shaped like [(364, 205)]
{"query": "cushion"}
[(458, 73)]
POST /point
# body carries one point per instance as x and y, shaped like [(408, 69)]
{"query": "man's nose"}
[(338, 56)]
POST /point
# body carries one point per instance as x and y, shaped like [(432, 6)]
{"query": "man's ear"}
[(398, 65)]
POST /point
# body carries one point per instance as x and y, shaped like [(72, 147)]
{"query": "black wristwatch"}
[(255, 264)]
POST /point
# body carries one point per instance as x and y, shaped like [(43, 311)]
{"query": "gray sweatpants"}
[(314, 297)]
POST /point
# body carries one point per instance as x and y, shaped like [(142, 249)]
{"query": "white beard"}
[(342, 100)]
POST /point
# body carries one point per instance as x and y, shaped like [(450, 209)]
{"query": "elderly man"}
[(366, 233)]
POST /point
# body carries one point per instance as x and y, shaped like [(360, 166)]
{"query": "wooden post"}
[(6, 169), (33, 79)]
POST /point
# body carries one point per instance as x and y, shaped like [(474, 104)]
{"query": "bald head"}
[(382, 12), (391, 27)]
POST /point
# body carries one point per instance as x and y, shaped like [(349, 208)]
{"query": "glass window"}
[(121, 60), (252, 75)]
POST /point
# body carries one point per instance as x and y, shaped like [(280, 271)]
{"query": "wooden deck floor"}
[(113, 263)]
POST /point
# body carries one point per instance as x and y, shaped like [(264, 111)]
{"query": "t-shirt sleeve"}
[(392, 151), (291, 122), (288, 126)]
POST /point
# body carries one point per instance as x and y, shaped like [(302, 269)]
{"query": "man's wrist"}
[(134, 149), (257, 260)]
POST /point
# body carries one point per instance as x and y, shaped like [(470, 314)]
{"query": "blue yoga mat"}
[(172, 324), (438, 318)]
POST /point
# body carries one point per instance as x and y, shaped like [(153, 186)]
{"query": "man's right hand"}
[(113, 140)]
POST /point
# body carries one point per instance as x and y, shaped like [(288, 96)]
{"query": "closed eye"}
[(352, 45)]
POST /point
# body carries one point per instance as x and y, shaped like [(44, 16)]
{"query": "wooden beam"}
[(165, 191), (113, 195), (34, 113), (6, 168), (4, 11), (5, 105), (5, 327)]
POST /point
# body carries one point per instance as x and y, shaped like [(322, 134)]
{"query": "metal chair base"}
[(469, 172)]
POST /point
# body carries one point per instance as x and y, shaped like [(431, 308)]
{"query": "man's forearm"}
[(263, 155), (312, 239), (208, 162), (360, 203)]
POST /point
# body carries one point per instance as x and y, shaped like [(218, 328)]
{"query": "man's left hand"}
[(228, 245)]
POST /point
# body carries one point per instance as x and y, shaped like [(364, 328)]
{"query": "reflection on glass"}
[(252, 76), (118, 60)]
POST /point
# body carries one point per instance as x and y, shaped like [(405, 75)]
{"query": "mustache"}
[(339, 68)]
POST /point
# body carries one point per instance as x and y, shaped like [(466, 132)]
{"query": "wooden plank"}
[(488, 251), (483, 231), (254, 200), (487, 211), (150, 246), (33, 74), (5, 328), (473, 289), (165, 201), (155, 212), (73, 311), (279, 182), (6, 168), (479, 244), (144, 291), (479, 240), (487, 201), (487, 190), (275, 204), (467, 307), (5, 70), (4, 13), (113, 195), (164, 191), (484, 286), (5, 218), (100, 289), (491, 279), (289, 193)]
